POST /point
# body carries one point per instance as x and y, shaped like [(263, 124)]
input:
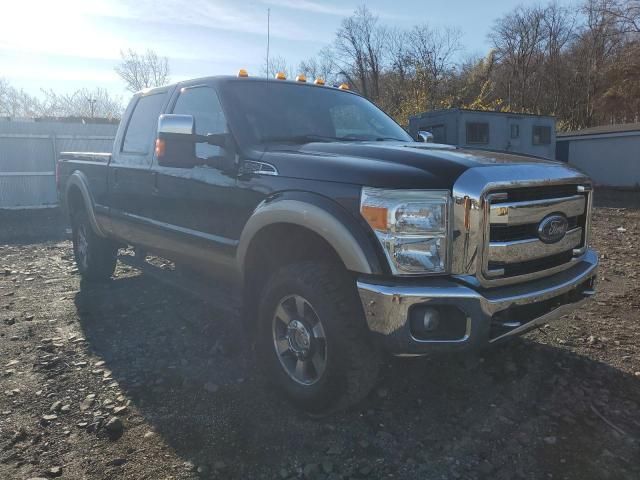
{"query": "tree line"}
[(581, 64), (137, 71)]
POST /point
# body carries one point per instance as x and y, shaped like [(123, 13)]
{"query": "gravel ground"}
[(136, 380)]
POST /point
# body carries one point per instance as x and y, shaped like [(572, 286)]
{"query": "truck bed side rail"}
[(95, 157)]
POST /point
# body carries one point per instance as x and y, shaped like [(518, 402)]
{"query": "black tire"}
[(95, 256), (351, 362)]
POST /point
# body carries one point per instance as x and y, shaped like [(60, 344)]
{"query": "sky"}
[(69, 44)]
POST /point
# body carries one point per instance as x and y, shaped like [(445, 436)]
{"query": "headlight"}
[(411, 226)]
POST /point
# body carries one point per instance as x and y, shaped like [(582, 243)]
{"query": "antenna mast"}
[(268, 35)]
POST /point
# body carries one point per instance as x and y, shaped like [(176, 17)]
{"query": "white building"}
[(609, 154)]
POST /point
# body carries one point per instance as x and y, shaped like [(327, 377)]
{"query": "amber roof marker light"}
[(301, 78), (318, 81), (242, 73), (281, 76), (344, 86)]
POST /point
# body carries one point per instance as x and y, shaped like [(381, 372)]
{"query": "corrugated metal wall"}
[(612, 161), (28, 152)]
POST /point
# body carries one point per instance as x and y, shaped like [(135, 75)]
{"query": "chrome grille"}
[(513, 249)]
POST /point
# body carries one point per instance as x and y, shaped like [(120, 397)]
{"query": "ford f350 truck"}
[(344, 237)]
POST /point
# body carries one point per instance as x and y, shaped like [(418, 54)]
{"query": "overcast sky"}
[(69, 44)]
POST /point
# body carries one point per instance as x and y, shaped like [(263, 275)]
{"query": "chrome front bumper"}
[(491, 314)]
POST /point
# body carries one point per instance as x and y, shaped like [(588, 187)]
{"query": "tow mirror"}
[(426, 137), (176, 143)]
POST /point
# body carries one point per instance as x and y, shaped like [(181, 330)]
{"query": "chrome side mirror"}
[(176, 124), (426, 137)]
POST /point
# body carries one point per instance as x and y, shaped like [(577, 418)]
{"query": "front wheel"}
[(95, 256), (313, 337)]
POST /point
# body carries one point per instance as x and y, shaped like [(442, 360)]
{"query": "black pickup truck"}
[(345, 237)]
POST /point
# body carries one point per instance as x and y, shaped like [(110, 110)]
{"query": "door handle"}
[(155, 183), (115, 176)]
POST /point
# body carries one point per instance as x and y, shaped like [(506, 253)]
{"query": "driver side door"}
[(191, 205)]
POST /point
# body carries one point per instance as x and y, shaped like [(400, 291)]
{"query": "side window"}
[(541, 135), (515, 130), (478, 133), (143, 123), (204, 105)]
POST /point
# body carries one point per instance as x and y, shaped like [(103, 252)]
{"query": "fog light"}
[(437, 322), (429, 321)]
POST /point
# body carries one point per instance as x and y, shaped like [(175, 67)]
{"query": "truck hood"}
[(385, 164)]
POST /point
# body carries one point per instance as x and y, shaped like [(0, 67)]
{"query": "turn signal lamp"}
[(281, 76), (375, 216), (242, 73), (318, 81), (301, 78), (344, 86), (161, 147)]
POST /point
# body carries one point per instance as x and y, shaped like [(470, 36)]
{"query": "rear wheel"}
[(313, 337), (95, 256)]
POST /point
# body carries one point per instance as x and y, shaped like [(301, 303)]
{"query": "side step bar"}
[(221, 297)]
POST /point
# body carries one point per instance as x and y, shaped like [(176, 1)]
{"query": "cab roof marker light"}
[(301, 78), (281, 76), (318, 81), (242, 73), (344, 86)]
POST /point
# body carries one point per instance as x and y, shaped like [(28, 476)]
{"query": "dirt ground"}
[(135, 380)]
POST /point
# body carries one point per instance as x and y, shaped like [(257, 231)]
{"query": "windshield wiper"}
[(382, 139), (299, 139)]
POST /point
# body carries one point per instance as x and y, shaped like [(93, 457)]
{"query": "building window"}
[(478, 133), (515, 130), (541, 135)]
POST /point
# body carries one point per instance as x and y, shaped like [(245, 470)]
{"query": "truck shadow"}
[(523, 410)]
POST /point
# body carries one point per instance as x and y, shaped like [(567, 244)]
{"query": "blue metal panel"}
[(28, 153)]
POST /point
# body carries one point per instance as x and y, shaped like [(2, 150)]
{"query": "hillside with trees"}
[(581, 64)]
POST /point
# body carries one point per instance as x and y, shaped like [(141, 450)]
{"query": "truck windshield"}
[(282, 112)]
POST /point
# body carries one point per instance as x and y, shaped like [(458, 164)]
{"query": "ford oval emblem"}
[(553, 228)]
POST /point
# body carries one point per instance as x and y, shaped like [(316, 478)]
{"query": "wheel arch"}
[(313, 214), (78, 195), (291, 230)]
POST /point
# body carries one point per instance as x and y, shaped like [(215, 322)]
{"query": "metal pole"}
[(268, 35), (92, 102)]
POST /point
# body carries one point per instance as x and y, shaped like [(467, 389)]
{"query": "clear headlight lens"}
[(411, 226)]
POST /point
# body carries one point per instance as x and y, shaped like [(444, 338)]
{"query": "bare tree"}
[(142, 70), (626, 13), (276, 64), (431, 52), (81, 103), (359, 51), (321, 66), (558, 33), (518, 41), (17, 103)]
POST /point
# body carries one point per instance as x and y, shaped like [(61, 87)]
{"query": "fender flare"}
[(79, 180), (314, 218)]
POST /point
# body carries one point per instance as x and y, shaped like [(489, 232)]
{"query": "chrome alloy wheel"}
[(82, 246), (299, 340)]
